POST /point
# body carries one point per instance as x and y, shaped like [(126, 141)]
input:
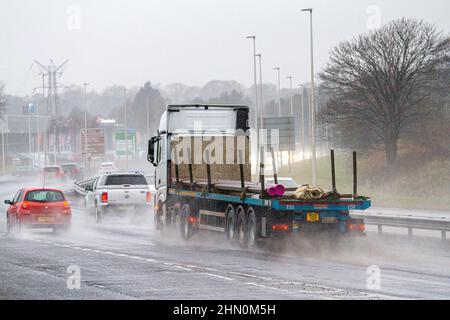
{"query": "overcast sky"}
[(190, 41)]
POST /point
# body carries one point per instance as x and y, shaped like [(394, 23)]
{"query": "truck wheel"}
[(251, 229), (186, 225), (241, 227), (231, 223)]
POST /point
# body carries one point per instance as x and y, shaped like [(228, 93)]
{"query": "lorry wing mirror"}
[(151, 150), (8, 202)]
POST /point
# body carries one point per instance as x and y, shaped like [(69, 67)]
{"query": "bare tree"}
[(380, 82)]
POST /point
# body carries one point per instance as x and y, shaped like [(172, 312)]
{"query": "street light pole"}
[(29, 129), (303, 120), (255, 81), (44, 137), (38, 135), (148, 118), (261, 100), (313, 106), (3, 149), (279, 90), (85, 128), (280, 153), (292, 115), (292, 97), (261, 112), (126, 129), (255, 125)]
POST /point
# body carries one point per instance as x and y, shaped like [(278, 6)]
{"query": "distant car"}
[(287, 182), (72, 170), (38, 208), (53, 174), (107, 167)]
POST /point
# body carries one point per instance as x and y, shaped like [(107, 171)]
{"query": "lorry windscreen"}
[(121, 179)]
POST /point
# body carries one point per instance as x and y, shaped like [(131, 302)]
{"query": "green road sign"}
[(121, 142)]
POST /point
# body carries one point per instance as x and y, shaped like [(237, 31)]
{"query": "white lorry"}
[(197, 191), (118, 194)]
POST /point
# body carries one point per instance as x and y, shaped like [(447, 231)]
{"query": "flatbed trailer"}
[(242, 210)]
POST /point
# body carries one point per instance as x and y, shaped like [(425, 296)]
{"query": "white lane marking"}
[(250, 276), (203, 268), (186, 268), (217, 276), (136, 258), (183, 268), (265, 287)]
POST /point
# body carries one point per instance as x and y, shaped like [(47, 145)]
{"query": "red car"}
[(38, 208)]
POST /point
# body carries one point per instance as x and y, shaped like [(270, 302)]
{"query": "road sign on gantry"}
[(121, 142), (95, 139)]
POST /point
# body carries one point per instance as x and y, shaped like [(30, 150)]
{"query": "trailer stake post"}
[(261, 174), (241, 169), (355, 176), (274, 166), (177, 173), (333, 173), (191, 177), (208, 170)]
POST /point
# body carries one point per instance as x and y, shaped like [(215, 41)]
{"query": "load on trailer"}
[(203, 182)]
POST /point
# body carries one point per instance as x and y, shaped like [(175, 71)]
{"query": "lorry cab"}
[(190, 121)]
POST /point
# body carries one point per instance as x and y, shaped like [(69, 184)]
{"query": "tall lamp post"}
[(261, 100), (277, 69), (261, 139), (255, 84), (292, 115), (148, 118), (126, 129), (291, 95), (313, 105), (85, 127), (302, 115), (255, 80)]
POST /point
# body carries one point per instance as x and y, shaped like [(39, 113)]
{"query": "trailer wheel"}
[(241, 227), (251, 229), (186, 225), (230, 223)]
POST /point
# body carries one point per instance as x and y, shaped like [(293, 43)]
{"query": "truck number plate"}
[(312, 217)]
